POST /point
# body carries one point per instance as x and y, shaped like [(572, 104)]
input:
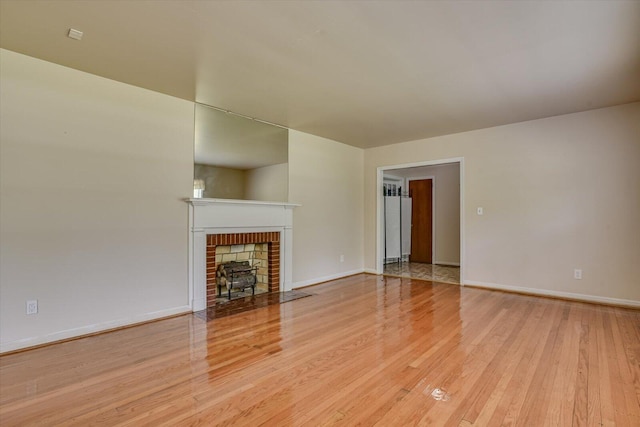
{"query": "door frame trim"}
[(380, 212)]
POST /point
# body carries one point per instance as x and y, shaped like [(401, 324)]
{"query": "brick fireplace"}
[(272, 241), (221, 222)]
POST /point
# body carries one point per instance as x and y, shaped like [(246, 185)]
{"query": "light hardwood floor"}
[(364, 350)]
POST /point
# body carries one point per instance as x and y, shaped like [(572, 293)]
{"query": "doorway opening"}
[(432, 233)]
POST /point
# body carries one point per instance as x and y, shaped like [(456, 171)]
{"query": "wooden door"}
[(421, 219)]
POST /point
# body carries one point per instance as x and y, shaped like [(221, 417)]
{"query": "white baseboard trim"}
[(371, 271), (452, 264), (556, 294), (91, 329), (304, 283)]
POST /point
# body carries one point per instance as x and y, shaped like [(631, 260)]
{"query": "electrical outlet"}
[(32, 306), (577, 274), (341, 258), (480, 211)]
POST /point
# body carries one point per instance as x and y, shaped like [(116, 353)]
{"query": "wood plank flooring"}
[(364, 350)]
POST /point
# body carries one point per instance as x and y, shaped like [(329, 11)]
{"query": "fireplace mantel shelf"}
[(203, 202)]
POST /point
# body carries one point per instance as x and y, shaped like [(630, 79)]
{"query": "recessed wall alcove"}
[(214, 221)]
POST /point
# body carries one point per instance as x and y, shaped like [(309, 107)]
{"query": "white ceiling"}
[(365, 73)]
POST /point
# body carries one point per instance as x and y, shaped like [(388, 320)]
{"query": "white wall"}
[(446, 212), (268, 183), (326, 178), (558, 193), (91, 218)]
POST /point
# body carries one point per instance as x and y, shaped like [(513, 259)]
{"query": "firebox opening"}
[(261, 251), (255, 253)]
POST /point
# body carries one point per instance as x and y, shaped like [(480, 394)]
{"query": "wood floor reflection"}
[(226, 307), (364, 350), (420, 270)]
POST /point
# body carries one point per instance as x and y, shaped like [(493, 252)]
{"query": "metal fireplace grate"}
[(236, 275)]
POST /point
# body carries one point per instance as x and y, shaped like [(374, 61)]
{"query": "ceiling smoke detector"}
[(75, 34)]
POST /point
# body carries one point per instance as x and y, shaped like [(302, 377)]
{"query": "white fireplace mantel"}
[(222, 216)]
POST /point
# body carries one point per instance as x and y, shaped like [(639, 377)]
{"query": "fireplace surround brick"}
[(214, 240)]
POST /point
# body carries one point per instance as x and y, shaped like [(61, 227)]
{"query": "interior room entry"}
[(421, 192)]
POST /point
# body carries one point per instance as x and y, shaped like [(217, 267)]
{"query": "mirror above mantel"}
[(237, 157)]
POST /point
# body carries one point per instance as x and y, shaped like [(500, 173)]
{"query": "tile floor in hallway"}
[(418, 270)]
